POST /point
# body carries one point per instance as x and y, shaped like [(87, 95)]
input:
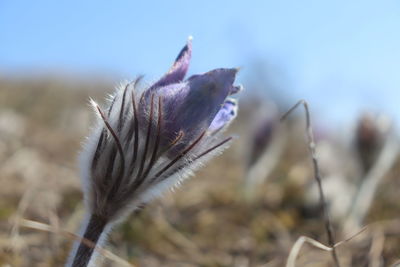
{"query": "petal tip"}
[(236, 89), (179, 68), (185, 54)]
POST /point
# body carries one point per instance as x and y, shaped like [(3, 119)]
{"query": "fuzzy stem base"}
[(94, 229)]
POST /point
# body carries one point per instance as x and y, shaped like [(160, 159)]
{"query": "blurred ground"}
[(209, 221)]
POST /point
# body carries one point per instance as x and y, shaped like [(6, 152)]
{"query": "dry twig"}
[(294, 252), (317, 176)]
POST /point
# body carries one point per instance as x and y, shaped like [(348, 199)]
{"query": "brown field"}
[(207, 222)]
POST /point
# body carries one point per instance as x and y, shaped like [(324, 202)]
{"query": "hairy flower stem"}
[(95, 227)]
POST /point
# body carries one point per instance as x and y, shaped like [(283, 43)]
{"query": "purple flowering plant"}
[(148, 141)]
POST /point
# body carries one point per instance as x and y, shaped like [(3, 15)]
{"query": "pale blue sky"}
[(342, 56)]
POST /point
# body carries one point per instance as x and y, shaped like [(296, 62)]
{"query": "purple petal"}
[(236, 89), (192, 105), (204, 99), (179, 69), (224, 116)]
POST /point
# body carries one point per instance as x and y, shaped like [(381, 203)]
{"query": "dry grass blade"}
[(396, 264), (351, 237), (317, 176), (294, 252), (180, 240), (48, 228), (377, 245), (22, 207)]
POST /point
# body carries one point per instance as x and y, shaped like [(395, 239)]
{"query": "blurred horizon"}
[(342, 57)]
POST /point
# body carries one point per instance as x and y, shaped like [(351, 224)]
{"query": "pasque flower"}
[(148, 141)]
